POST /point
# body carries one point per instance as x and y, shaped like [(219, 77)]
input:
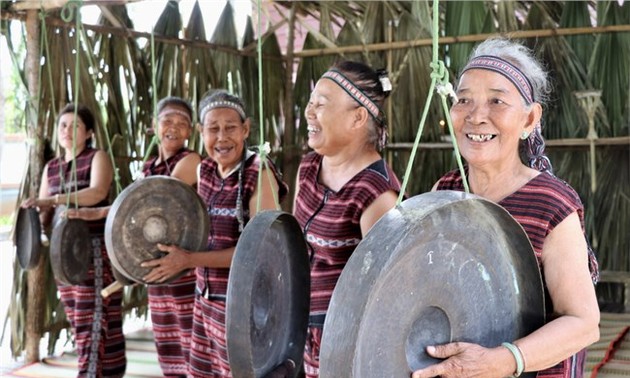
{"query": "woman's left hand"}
[(461, 360), (166, 267)]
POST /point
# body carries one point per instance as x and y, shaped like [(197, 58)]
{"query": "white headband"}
[(222, 104)]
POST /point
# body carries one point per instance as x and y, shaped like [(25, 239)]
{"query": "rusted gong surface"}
[(28, 237), (444, 266), (156, 209), (70, 250), (268, 296)]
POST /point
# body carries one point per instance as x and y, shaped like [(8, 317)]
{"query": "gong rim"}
[(262, 332), (27, 237), (151, 211), (70, 251), (406, 276)]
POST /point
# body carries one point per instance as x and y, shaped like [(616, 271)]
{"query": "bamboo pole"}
[(35, 276), (460, 39), (538, 33)]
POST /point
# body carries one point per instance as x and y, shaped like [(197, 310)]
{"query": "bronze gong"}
[(71, 252), (441, 267), (28, 237), (156, 209), (268, 297)]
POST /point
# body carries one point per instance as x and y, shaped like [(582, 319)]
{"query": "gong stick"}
[(112, 288)]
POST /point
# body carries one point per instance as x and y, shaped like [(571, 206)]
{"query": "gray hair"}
[(523, 58), (532, 149)]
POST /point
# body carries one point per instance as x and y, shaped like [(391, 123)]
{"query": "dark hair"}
[(177, 101), (370, 82), (220, 95), (84, 114)]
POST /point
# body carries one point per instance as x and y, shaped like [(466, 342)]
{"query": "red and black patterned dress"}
[(208, 353), (171, 304), (97, 328), (331, 224), (539, 206)]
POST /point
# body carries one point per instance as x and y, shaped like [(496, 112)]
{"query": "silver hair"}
[(532, 149), (523, 58)]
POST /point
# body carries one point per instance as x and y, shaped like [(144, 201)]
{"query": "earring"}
[(524, 135)]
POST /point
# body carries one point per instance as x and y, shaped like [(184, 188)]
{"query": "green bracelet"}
[(517, 356)]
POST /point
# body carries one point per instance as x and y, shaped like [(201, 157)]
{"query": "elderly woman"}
[(82, 177), (344, 186), (228, 184), (497, 126)]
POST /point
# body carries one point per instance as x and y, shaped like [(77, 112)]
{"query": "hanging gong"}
[(268, 296), (28, 237), (156, 209), (442, 267), (71, 251)]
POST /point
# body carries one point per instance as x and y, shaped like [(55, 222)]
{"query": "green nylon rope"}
[(439, 80)]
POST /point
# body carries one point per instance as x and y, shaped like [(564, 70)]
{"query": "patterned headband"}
[(222, 104), (356, 94), (507, 69), (168, 111)]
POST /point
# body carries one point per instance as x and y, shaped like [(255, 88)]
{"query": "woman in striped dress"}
[(227, 183), (96, 322), (171, 303), (344, 186), (498, 113)]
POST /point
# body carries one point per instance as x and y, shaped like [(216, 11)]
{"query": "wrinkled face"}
[(68, 138), (173, 127), (329, 116), (224, 135), (489, 118)]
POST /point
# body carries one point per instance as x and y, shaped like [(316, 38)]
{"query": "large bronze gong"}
[(443, 266), (28, 237), (156, 209), (268, 297), (71, 252)]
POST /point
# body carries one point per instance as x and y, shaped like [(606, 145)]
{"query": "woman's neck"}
[(337, 170), (495, 185), (71, 153)]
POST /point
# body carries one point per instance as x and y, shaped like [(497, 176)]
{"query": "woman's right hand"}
[(42, 203)]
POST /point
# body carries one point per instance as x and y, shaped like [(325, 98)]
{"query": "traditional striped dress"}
[(97, 329), (331, 224), (171, 304), (208, 353), (539, 206)]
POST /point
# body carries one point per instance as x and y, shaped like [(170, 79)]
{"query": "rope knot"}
[(439, 70), (67, 12)]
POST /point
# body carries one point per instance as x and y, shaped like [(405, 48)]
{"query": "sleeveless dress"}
[(539, 206), (208, 354), (171, 304), (96, 322), (331, 224)]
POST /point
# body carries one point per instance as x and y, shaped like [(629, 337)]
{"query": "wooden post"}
[(289, 162), (35, 276)]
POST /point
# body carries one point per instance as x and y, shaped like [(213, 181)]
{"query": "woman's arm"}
[(568, 279), (268, 188), (101, 177), (377, 209), (186, 169)]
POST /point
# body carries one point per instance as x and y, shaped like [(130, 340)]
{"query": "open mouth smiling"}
[(480, 137)]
